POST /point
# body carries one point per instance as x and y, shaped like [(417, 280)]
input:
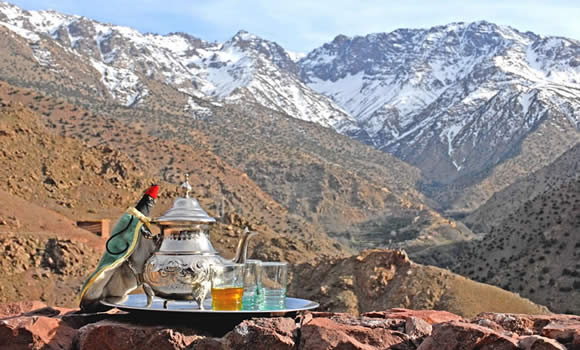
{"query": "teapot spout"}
[(242, 250)]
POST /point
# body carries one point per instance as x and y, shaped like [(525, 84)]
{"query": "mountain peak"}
[(244, 35), (340, 39)]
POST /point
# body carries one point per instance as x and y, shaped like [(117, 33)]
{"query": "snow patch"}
[(296, 56), (48, 21), (177, 44), (43, 57), (526, 100), (26, 34), (196, 111), (123, 84), (482, 93), (243, 35), (451, 132)]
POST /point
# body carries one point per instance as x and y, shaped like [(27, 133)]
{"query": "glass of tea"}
[(227, 286)]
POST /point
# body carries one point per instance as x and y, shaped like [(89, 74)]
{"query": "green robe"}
[(119, 248)]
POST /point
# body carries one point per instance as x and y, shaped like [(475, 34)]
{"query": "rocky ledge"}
[(33, 325)]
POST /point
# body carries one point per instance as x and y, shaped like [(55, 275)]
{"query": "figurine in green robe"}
[(120, 270)]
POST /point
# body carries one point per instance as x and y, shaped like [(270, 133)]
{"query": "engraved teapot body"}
[(180, 268)]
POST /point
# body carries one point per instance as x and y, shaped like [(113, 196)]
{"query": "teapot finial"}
[(186, 186)]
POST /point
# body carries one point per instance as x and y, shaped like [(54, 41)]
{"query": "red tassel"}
[(152, 191)]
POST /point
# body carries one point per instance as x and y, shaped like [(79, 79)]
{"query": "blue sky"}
[(301, 25)]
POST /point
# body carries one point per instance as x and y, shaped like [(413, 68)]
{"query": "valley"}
[(457, 144)]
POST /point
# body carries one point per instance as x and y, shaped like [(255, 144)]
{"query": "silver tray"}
[(137, 302)]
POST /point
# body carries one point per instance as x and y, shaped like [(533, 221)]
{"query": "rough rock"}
[(209, 343), (536, 342), (323, 333), (263, 333), (530, 324), (566, 332), (484, 322), (63, 329), (461, 335), (14, 309), (519, 324), (430, 316), (417, 329), (36, 332), (370, 322), (107, 335)]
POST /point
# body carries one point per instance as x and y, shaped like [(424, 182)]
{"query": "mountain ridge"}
[(528, 237), (500, 123), (444, 93), (237, 68)]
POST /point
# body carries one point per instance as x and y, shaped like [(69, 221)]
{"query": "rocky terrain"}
[(53, 262), (504, 204), (28, 325), (47, 256), (378, 279)]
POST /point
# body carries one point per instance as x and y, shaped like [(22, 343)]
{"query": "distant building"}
[(99, 227)]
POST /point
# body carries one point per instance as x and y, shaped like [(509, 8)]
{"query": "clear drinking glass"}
[(250, 298), (227, 286), (273, 278)]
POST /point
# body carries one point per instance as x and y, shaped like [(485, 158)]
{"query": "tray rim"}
[(309, 305)]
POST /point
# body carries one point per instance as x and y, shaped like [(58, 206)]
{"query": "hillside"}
[(378, 279), (24, 134), (504, 203), (533, 250), (506, 208), (45, 256), (97, 182)]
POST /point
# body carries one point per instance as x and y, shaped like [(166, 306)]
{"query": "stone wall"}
[(32, 325)]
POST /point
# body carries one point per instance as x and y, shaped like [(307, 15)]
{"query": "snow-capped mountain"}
[(457, 101), (451, 99), (245, 67), (250, 68)]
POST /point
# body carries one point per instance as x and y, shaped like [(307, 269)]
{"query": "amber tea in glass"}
[(227, 286), (227, 298)]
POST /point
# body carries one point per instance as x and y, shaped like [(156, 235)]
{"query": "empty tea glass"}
[(251, 285), (227, 286), (273, 277)]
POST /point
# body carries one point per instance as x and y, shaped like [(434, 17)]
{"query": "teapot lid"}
[(185, 209)]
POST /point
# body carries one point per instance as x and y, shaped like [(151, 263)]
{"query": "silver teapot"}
[(179, 269)]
